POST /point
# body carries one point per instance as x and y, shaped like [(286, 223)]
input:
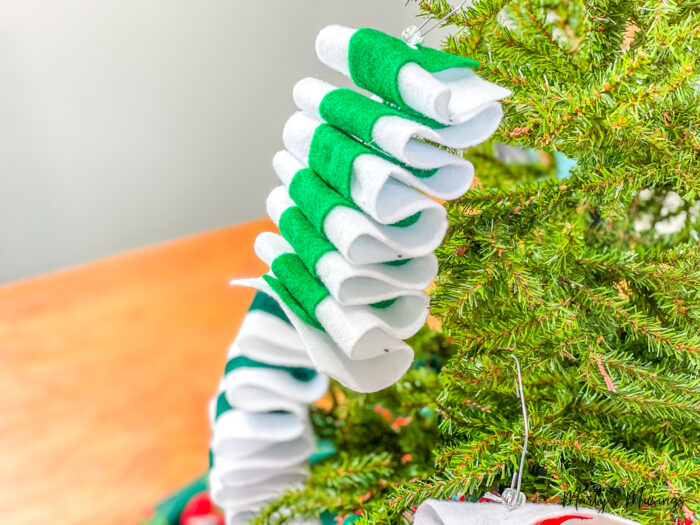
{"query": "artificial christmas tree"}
[(601, 309)]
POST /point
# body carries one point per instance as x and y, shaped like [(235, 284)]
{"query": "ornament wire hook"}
[(413, 35), (512, 497)]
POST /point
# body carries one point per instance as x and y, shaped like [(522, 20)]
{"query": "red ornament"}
[(201, 511)]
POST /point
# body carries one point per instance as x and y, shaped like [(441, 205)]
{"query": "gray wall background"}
[(128, 122)]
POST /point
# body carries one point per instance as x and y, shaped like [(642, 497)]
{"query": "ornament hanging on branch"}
[(357, 225)]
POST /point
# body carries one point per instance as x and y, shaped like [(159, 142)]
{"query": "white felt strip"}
[(370, 174), (377, 186), (281, 454), (364, 241), (450, 97), (267, 389), (398, 136), (238, 433), (434, 512), (362, 332), (367, 375), (268, 339), (353, 284), (247, 496), (232, 475)]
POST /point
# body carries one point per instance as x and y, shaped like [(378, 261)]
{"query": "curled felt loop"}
[(349, 284), (369, 181), (433, 83), (232, 476), (357, 237), (238, 433), (434, 512), (265, 389), (397, 133), (368, 375), (250, 496), (266, 338), (361, 331), (376, 185)]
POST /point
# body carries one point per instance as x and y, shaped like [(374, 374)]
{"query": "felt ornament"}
[(435, 84), (359, 238), (348, 283), (261, 434), (362, 375), (434, 512), (359, 172), (396, 133), (376, 186), (347, 273), (360, 331)]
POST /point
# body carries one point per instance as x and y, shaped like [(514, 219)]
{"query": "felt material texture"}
[(352, 284), (366, 375), (361, 332), (375, 59), (371, 170), (434, 512), (376, 187), (376, 123), (450, 96), (261, 434), (361, 240)]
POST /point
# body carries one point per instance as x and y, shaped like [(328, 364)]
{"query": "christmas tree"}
[(590, 277)]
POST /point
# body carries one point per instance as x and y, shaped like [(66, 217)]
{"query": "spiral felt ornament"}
[(348, 270), (261, 434), (357, 224)]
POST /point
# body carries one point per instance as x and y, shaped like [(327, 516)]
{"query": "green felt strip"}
[(265, 303), (408, 221), (398, 262), (308, 243), (298, 373), (289, 300), (222, 405), (332, 155), (304, 287), (356, 114), (314, 197), (375, 59), (381, 305)]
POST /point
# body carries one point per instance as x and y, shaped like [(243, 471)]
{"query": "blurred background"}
[(128, 122)]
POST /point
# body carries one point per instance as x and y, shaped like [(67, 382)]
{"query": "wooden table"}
[(105, 372)]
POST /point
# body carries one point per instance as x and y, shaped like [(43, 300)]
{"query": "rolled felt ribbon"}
[(433, 83), (262, 390), (261, 434), (267, 338), (366, 375), (366, 176), (434, 512), (348, 283), (397, 133), (360, 239), (361, 332)]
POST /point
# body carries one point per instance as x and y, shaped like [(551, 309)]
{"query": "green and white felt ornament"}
[(354, 255), (359, 238), (261, 433), (357, 170), (397, 133), (437, 85), (362, 375)]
